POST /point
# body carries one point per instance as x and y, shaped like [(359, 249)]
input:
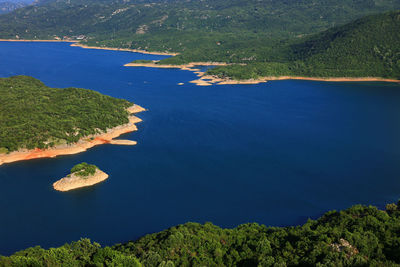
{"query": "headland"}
[(82, 145)]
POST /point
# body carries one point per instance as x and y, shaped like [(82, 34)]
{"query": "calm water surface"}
[(275, 153)]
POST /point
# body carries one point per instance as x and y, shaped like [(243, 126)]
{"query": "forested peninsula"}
[(365, 50), (38, 121), (358, 236)]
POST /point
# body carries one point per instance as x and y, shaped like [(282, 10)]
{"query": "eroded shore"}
[(82, 145), (207, 80), (74, 181), (124, 49), (34, 40), (78, 44)]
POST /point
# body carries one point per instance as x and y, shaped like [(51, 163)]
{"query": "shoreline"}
[(222, 81), (77, 44), (207, 80), (36, 40), (74, 182), (82, 145)]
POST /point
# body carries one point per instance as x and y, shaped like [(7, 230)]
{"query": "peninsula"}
[(39, 122), (82, 175)]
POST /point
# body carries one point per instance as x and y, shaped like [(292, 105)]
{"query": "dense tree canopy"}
[(359, 236), (84, 169), (33, 115), (368, 47), (270, 37)]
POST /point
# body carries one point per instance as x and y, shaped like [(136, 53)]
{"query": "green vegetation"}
[(368, 47), (142, 61), (83, 169), (271, 37), (81, 253), (33, 115), (137, 20), (359, 236)]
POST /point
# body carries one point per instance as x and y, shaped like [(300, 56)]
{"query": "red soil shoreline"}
[(82, 145)]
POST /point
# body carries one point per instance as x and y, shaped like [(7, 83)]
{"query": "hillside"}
[(117, 17), (33, 115), (359, 236), (368, 47), (252, 32), (143, 23)]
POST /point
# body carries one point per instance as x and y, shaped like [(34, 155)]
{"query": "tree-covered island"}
[(35, 117), (84, 169)]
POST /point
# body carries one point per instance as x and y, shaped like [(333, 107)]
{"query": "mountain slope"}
[(109, 19), (272, 37), (368, 47)]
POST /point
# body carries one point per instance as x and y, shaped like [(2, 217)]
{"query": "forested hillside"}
[(119, 17), (250, 32), (141, 23), (359, 236), (368, 47), (33, 115)]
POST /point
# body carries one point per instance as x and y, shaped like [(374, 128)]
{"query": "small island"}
[(82, 175)]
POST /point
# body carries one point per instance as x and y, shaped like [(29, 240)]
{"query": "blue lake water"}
[(274, 153)]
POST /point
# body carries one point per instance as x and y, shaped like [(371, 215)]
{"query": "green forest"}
[(358, 236), (368, 47), (84, 169), (272, 38), (33, 115)]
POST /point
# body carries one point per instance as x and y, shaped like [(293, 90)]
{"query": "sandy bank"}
[(207, 80), (34, 40), (333, 79), (189, 66), (82, 145), (224, 81), (74, 181), (201, 82), (125, 49), (123, 142)]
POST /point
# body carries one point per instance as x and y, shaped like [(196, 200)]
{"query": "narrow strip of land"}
[(207, 80)]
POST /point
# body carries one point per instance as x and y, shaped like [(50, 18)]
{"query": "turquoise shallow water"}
[(275, 153)]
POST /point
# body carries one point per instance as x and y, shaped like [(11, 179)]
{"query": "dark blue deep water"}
[(275, 153)]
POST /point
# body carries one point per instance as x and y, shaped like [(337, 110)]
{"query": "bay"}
[(276, 153)]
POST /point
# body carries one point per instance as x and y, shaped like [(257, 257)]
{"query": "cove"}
[(276, 153)]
